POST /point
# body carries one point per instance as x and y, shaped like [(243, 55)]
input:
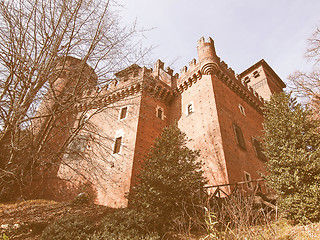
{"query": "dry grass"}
[(35, 214), (277, 230), (26, 219), (282, 230)]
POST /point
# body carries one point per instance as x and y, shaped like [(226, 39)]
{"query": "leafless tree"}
[(307, 84), (38, 40)]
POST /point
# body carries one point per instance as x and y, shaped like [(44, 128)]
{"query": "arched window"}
[(159, 112)]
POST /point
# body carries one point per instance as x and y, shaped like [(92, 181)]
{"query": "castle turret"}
[(262, 79), (165, 76), (70, 80), (56, 117), (72, 76), (208, 58)]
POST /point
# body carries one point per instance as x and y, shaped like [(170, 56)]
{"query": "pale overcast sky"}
[(244, 31)]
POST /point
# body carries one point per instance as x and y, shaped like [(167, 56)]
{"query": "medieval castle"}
[(219, 111)]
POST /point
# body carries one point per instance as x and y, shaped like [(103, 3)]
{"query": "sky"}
[(244, 31)]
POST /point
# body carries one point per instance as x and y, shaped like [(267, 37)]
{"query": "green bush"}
[(125, 224), (170, 183), (69, 227)]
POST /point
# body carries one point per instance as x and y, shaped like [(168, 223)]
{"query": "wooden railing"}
[(220, 190)]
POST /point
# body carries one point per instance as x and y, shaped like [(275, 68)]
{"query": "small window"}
[(189, 109), (248, 180), (123, 112), (258, 149), (117, 145), (246, 80), (256, 74), (159, 112), (239, 137), (242, 110)]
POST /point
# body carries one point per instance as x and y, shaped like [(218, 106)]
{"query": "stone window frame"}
[(248, 180), (239, 136), (161, 111), (121, 112), (242, 109), (189, 108)]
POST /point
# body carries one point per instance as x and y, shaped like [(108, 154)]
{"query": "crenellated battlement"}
[(202, 42), (210, 64), (228, 70), (129, 82), (208, 59), (165, 75)]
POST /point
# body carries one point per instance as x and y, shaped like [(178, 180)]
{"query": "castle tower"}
[(223, 117), (57, 114), (262, 79), (208, 59), (199, 118), (67, 84)]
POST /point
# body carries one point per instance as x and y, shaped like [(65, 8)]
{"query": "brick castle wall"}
[(207, 101)]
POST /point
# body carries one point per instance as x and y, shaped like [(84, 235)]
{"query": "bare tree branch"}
[(306, 85), (46, 48)]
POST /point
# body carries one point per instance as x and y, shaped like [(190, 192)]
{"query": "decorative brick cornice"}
[(158, 91), (226, 75), (188, 82), (110, 97), (145, 85), (242, 90)]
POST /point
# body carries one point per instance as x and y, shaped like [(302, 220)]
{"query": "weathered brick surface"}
[(149, 128), (202, 128), (110, 173), (237, 159)]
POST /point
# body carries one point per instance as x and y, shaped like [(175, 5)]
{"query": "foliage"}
[(171, 180), (125, 224), (307, 84), (292, 147), (69, 227)]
